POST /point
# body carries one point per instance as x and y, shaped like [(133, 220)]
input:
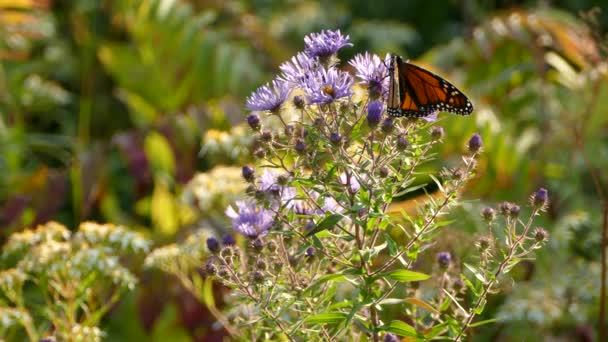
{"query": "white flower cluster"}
[(184, 257), (11, 316), (233, 145), (113, 236), (215, 189), (51, 231), (86, 334)]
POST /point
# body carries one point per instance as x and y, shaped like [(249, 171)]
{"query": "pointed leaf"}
[(400, 328), (327, 223), (327, 318), (406, 275)]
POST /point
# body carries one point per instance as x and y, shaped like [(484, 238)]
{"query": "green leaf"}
[(159, 153), (476, 272), (327, 223), (487, 321), (327, 318), (406, 275), (393, 249), (400, 328)]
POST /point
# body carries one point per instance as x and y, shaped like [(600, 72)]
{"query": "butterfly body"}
[(416, 92)]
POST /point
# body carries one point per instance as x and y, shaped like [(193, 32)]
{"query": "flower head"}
[(325, 43), (298, 69), (327, 85), (267, 97), (249, 219), (372, 71)]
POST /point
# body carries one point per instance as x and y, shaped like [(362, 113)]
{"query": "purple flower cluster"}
[(325, 43), (305, 71)]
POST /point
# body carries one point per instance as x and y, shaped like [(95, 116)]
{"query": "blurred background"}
[(131, 111)]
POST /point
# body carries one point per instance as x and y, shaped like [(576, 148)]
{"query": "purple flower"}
[(354, 184), (267, 180), (325, 43), (250, 220), (305, 207), (298, 69), (431, 117), (372, 71), (267, 97), (325, 86)]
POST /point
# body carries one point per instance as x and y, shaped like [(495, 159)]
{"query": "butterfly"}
[(415, 92)]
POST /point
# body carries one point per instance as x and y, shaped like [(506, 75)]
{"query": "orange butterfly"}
[(416, 92)]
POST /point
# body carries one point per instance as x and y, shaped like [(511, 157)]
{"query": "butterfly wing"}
[(422, 92)]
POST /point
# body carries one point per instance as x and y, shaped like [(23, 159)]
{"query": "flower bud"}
[(299, 101), (437, 132), (504, 208), (266, 136), (228, 240), (387, 125), (374, 113), (260, 265), (257, 276), (540, 235), (210, 268), (248, 174), (335, 138), (383, 172), (514, 211), (488, 214), (310, 252), (458, 285), (254, 121), (258, 245), (390, 337), (282, 180), (540, 198), (318, 122), (300, 146), (223, 272), (402, 142), (277, 266), (259, 153), (213, 245), (475, 143), (444, 259), (483, 243), (288, 130)]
